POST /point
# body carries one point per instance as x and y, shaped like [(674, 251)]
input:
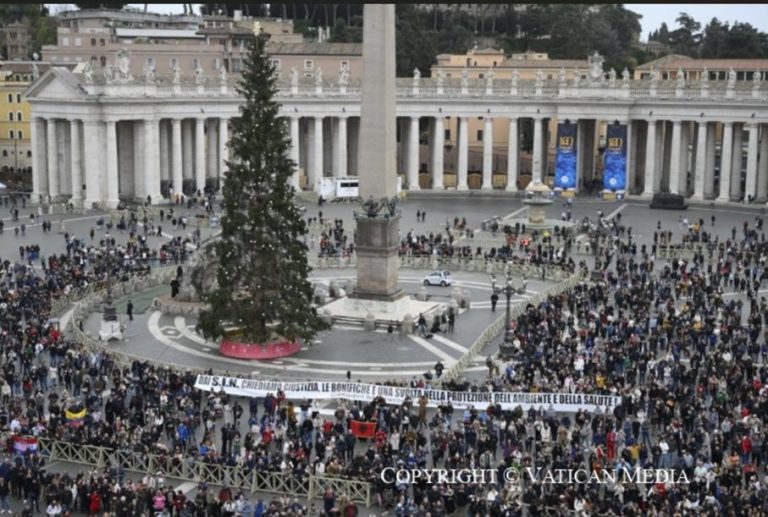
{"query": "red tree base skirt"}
[(257, 350)]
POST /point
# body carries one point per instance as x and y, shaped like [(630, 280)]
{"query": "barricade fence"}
[(238, 476), (550, 272)]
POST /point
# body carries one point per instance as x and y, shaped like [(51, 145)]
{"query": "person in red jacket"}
[(746, 449), (94, 503)]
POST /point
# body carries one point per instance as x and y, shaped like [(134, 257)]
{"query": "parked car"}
[(441, 278)]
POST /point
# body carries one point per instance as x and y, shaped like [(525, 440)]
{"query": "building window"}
[(447, 134), (78, 42), (5, 153), (479, 135), (216, 63), (195, 63), (18, 97), (65, 42), (275, 63), (236, 65), (102, 42), (18, 116), (10, 98), (11, 134), (10, 116), (21, 134), (93, 42), (150, 61), (345, 65), (29, 154), (103, 61), (469, 62), (308, 64), (307, 75)]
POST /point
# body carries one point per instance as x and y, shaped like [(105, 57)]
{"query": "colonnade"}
[(91, 161), (101, 161)]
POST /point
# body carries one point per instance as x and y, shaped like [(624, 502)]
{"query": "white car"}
[(441, 278)]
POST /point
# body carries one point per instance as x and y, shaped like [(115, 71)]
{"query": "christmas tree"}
[(262, 290)]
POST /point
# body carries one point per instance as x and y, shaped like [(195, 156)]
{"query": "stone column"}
[(699, 175), (340, 163), (487, 153), (294, 153), (513, 161), (650, 160), (762, 166), (212, 165), (164, 151), (53, 159), (113, 194), (751, 184), (77, 161), (413, 154), (39, 166), (199, 154), (537, 145), (187, 139), (674, 160), (463, 147), (438, 148), (93, 165), (316, 173), (176, 157), (726, 162), (152, 159), (630, 160), (224, 149), (709, 167), (736, 152)]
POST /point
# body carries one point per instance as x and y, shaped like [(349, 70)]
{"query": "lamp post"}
[(507, 349)]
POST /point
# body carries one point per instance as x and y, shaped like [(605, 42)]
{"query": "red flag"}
[(363, 429)]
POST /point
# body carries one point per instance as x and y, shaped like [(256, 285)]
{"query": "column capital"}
[(727, 124)]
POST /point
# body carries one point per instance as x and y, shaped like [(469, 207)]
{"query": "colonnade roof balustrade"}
[(432, 88)]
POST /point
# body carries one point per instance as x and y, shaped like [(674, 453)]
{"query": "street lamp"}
[(507, 349)]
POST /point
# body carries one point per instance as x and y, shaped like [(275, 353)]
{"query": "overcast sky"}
[(653, 14)]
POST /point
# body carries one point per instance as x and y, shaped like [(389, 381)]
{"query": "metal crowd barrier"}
[(237, 476)]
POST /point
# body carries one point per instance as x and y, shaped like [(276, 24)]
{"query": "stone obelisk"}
[(377, 238)]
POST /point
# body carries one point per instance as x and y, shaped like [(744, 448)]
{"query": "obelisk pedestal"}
[(378, 261)]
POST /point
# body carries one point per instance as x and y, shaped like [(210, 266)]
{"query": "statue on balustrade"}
[(88, 73), (680, 78), (199, 74), (176, 73), (561, 76), (343, 77), (223, 75), (515, 77), (757, 77), (123, 72), (576, 77), (539, 78), (654, 77), (731, 78), (109, 72), (612, 77), (294, 77), (35, 72), (625, 77), (416, 75), (489, 79), (464, 78), (149, 73), (318, 76), (596, 67), (705, 77)]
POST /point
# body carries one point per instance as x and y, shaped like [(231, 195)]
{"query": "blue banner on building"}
[(565, 161), (615, 158)]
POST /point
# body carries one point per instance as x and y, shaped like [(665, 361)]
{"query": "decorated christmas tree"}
[(262, 288)]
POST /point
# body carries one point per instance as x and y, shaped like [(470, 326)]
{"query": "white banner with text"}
[(329, 390)]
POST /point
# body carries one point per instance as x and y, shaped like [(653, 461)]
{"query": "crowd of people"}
[(680, 342)]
